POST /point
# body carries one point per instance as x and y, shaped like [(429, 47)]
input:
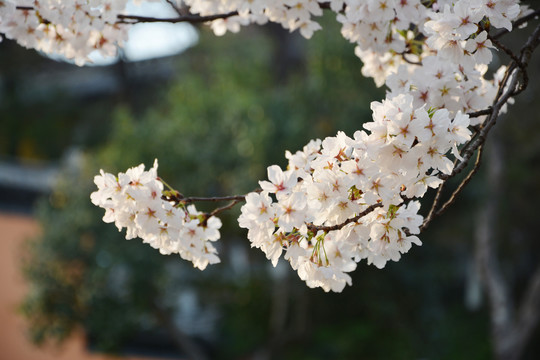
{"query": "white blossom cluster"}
[(72, 28), (133, 200), (301, 210), (390, 33), (388, 28)]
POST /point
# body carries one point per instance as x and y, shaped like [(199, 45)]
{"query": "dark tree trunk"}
[(511, 326)]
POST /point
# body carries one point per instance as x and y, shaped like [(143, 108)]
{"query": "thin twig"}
[(463, 183), (478, 113), (509, 52), (213, 199), (226, 207), (178, 198), (190, 18), (175, 7), (315, 228), (434, 206), (419, 63), (517, 61)]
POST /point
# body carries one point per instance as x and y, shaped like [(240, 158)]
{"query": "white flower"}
[(257, 209), (291, 214), (281, 183), (480, 47)]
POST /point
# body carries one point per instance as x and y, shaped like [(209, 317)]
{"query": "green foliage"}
[(81, 274)]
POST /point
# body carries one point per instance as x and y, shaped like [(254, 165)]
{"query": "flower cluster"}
[(391, 33), (388, 28), (133, 200), (291, 14), (73, 28), (330, 183)]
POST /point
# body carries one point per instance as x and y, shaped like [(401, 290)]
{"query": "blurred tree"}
[(48, 106)]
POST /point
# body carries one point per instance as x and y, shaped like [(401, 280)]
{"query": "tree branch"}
[(177, 198), (315, 228), (462, 185), (434, 206), (479, 113), (223, 208), (189, 18), (434, 212), (192, 199), (517, 61), (173, 5)]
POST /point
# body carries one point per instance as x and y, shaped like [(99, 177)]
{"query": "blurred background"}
[(216, 112)]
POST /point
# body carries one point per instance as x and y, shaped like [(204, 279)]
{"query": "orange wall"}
[(14, 229)]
